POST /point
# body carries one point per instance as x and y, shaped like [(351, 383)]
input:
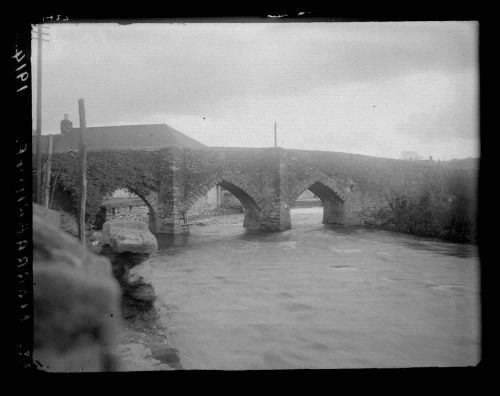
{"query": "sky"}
[(372, 88)]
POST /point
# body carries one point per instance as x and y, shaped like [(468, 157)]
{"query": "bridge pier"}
[(276, 218), (174, 228), (279, 213), (285, 222), (171, 219)]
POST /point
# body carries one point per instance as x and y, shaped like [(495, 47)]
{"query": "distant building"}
[(410, 156), (119, 137), (66, 125)]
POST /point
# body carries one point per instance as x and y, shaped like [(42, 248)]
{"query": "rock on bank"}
[(76, 302)]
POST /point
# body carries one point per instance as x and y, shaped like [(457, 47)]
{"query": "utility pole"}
[(39, 191), (48, 168), (83, 172), (275, 136)]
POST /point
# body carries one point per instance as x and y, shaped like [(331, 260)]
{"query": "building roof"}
[(120, 137)]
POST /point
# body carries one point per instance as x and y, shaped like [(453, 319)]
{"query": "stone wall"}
[(131, 213)]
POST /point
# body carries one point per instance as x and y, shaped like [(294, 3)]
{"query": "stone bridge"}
[(266, 181)]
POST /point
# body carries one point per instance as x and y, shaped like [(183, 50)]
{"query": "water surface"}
[(317, 297)]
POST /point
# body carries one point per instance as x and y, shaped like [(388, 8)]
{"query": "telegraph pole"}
[(39, 119), (83, 171), (39, 192), (46, 175)]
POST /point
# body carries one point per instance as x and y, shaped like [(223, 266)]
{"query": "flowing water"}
[(317, 297)]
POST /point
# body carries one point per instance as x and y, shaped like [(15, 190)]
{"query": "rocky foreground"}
[(96, 312), (143, 343)]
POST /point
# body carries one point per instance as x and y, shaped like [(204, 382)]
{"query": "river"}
[(317, 297)]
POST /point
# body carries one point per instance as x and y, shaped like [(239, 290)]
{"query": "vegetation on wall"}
[(427, 198), (441, 205), (136, 171)]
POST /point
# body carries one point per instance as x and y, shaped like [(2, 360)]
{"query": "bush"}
[(443, 206)]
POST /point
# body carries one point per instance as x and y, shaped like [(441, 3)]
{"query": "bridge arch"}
[(62, 200), (329, 191), (150, 200), (252, 210)]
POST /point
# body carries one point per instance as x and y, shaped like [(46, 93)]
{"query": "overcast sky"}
[(367, 88)]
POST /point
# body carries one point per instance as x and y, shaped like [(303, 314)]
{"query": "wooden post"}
[(54, 185), (39, 191), (83, 172), (48, 169)]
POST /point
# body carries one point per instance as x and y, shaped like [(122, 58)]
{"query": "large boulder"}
[(139, 279), (129, 236), (77, 315), (128, 245)]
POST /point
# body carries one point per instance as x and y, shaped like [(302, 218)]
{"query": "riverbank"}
[(146, 347), (143, 343)]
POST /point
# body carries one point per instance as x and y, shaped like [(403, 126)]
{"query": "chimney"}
[(66, 125)]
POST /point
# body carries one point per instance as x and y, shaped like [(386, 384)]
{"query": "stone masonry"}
[(267, 182)]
